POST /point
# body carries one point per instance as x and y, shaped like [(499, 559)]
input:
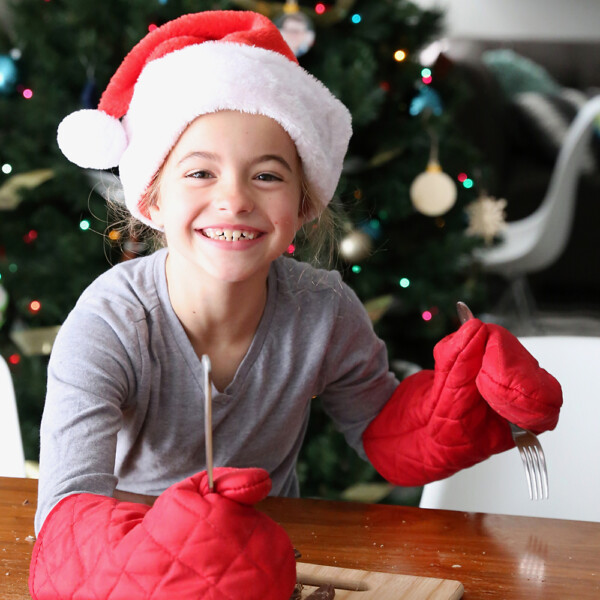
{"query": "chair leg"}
[(525, 305), (517, 309)]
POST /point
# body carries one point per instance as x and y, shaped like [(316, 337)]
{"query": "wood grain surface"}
[(495, 557)]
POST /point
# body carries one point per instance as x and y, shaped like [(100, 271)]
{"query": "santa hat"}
[(198, 64)]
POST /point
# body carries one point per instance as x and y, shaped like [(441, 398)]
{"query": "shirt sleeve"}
[(358, 379), (90, 378)]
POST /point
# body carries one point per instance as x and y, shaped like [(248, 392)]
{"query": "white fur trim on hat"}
[(204, 78)]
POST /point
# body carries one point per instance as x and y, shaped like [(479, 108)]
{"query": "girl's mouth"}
[(229, 235)]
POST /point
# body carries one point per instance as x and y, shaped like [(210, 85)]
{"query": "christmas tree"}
[(404, 247)]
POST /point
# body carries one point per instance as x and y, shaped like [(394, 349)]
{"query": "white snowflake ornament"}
[(487, 217)]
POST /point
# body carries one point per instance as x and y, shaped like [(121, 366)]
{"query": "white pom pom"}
[(92, 139)]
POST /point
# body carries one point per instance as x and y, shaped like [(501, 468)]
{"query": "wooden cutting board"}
[(355, 584)]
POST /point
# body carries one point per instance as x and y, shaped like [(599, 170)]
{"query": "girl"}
[(228, 147)]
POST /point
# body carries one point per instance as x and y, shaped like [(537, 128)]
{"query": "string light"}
[(467, 183), (114, 235), (14, 359), (426, 316), (35, 306), (27, 93), (6, 168), (13, 268), (426, 77), (404, 282), (30, 236), (152, 26), (356, 269), (84, 225), (356, 19), (461, 177), (320, 8), (399, 55), (291, 249)]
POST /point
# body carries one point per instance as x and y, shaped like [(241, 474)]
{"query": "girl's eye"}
[(199, 175), (268, 177)]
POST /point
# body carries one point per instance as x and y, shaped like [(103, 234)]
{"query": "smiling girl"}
[(226, 145)]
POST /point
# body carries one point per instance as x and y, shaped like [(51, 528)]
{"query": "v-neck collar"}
[(237, 385)]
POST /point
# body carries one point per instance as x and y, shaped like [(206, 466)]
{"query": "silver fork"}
[(206, 364), (530, 449)]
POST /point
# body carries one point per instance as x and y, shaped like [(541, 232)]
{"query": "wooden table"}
[(495, 557)]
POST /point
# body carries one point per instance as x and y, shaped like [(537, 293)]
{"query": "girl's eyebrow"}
[(275, 157), (198, 154), (215, 157)]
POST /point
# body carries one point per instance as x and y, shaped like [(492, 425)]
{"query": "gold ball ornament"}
[(356, 246), (433, 192)]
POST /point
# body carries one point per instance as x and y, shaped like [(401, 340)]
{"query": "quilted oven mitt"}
[(192, 544), (440, 421)]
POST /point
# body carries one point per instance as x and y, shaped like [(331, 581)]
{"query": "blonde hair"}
[(315, 242)]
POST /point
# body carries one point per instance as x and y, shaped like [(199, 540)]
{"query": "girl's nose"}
[(234, 197)]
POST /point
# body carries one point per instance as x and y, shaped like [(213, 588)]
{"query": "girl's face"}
[(229, 196)]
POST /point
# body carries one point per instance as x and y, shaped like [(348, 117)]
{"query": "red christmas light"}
[(14, 359), (30, 236), (35, 306), (320, 8)]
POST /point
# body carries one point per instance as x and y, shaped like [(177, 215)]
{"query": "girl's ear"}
[(156, 215)]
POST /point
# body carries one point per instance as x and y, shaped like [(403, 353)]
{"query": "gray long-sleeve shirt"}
[(125, 387)]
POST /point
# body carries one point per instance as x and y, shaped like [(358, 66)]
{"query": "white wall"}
[(520, 19)]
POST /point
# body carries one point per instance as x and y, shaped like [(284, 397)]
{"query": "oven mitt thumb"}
[(512, 382), (192, 544)]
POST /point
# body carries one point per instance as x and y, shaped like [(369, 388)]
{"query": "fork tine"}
[(535, 465), (543, 474), (524, 458)]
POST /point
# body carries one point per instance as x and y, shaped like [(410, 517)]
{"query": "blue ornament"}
[(426, 100), (8, 74)]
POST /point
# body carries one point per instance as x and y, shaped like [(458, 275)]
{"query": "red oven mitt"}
[(192, 544), (440, 421)]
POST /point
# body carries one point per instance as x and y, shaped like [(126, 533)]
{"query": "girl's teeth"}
[(229, 235)]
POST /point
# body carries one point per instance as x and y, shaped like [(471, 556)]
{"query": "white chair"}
[(537, 241), (12, 460), (572, 450)]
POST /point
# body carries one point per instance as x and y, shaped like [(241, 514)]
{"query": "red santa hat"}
[(198, 64)]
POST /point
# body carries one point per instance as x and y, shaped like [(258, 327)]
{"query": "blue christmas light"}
[(372, 228), (8, 74), (356, 19), (426, 99)]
